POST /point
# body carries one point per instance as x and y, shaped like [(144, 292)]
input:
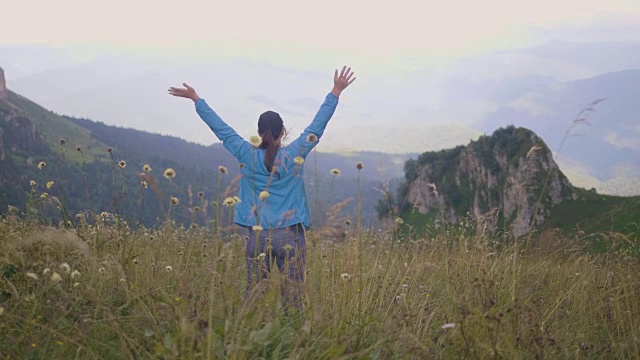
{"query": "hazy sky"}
[(313, 33)]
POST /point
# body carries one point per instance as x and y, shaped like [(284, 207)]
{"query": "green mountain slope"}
[(54, 127), (91, 179), (598, 213)]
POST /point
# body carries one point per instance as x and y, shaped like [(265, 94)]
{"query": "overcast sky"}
[(298, 33)]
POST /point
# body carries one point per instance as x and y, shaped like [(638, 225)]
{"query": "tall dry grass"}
[(179, 295)]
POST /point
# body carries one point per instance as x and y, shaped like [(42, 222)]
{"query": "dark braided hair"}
[(270, 126)]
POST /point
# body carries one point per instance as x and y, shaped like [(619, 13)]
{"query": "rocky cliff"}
[(3, 86), (499, 179), (17, 131)]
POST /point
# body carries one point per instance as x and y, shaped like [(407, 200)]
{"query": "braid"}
[(270, 147)]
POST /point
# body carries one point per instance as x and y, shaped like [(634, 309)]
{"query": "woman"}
[(273, 204)]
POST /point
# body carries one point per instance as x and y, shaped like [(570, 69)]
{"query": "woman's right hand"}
[(186, 92), (340, 82)]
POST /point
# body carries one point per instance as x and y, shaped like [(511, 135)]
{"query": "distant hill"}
[(374, 117), (606, 146), (31, 134), (600, 57), (510, 182)]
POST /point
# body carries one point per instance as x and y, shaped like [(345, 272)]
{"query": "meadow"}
[(101, 285), (108, 291)]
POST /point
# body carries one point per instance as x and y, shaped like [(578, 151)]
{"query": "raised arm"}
[(310, 136), (233, 142)]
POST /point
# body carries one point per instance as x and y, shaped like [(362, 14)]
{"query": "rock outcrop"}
[(17, 131), (498, 179), (3, 86)]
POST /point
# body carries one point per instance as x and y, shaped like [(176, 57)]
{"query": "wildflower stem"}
[(86, 180)]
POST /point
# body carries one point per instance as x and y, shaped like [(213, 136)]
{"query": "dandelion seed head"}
[(65, 267), (287, 247), (399, 221), (335, 172), (169, 173), (347, 222), (237, 199), (62, 141), (76, 284), (55, 277), (41, 165), (229, 201), (298, 160), (255, 140), (196, 209), (174, 200), (200, 194), (312, 138), (49, 184), (45, 271), (262, 256), (257, 228), (144, 184), (223, 169), (345, 276), (122, 164), (104, 214), (448, 326), (102, 270), (32, 183), (169, 268), (359, 166), (78, 148), (75, 274), (44, 196), (109, 149), (32, 275), (264, 195)]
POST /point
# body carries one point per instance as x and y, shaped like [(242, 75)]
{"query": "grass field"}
[(174, 293)]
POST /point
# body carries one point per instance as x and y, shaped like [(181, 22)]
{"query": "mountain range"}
[(542, 88), (82, 167)]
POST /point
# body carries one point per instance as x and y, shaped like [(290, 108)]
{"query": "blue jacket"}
[(287, 203)]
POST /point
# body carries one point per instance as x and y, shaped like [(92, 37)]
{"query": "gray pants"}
[(286, 248)]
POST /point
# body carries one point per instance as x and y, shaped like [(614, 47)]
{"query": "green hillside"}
[(96, 183), (598, 213), (54, 127)]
